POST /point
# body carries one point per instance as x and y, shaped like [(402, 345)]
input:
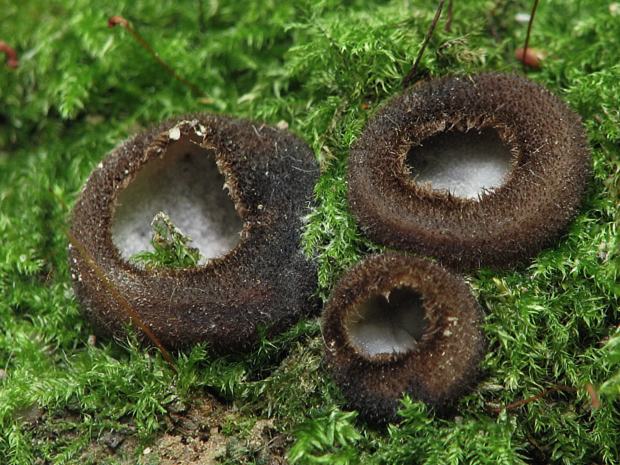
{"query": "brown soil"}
[(202, 433)]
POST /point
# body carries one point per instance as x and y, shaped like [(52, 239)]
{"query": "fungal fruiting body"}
[(477, 171), (397, 324), (256, 275)]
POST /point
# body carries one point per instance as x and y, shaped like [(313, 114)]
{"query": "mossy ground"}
[(324, 67)]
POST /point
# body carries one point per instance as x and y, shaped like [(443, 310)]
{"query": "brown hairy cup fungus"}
[(398, 324), (478, 171), (256, 274)]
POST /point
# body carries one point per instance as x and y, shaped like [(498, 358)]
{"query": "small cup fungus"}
[(397, 324)]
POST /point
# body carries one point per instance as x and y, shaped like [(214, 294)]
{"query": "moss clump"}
[(170, 247), (324, 67)]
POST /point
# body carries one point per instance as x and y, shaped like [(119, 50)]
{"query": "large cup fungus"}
[(256, 274)]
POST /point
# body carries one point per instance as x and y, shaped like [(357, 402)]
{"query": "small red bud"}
[(10, 54), (532, 56), (114, 20)]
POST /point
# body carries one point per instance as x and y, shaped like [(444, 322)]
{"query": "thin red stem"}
[(426, 40), (527, 37), (59, 200), (596, 402), (119, 298), (118, 20), (519, 403), (449, 20)]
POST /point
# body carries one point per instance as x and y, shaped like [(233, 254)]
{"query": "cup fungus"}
[(256, 274), (398, 324), (479, 171)]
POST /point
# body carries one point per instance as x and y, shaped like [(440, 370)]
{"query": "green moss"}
[(170, 246), (324, 67)]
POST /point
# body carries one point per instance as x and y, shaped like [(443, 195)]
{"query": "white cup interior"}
[(389, 324), (186, 184), (465, 163)]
